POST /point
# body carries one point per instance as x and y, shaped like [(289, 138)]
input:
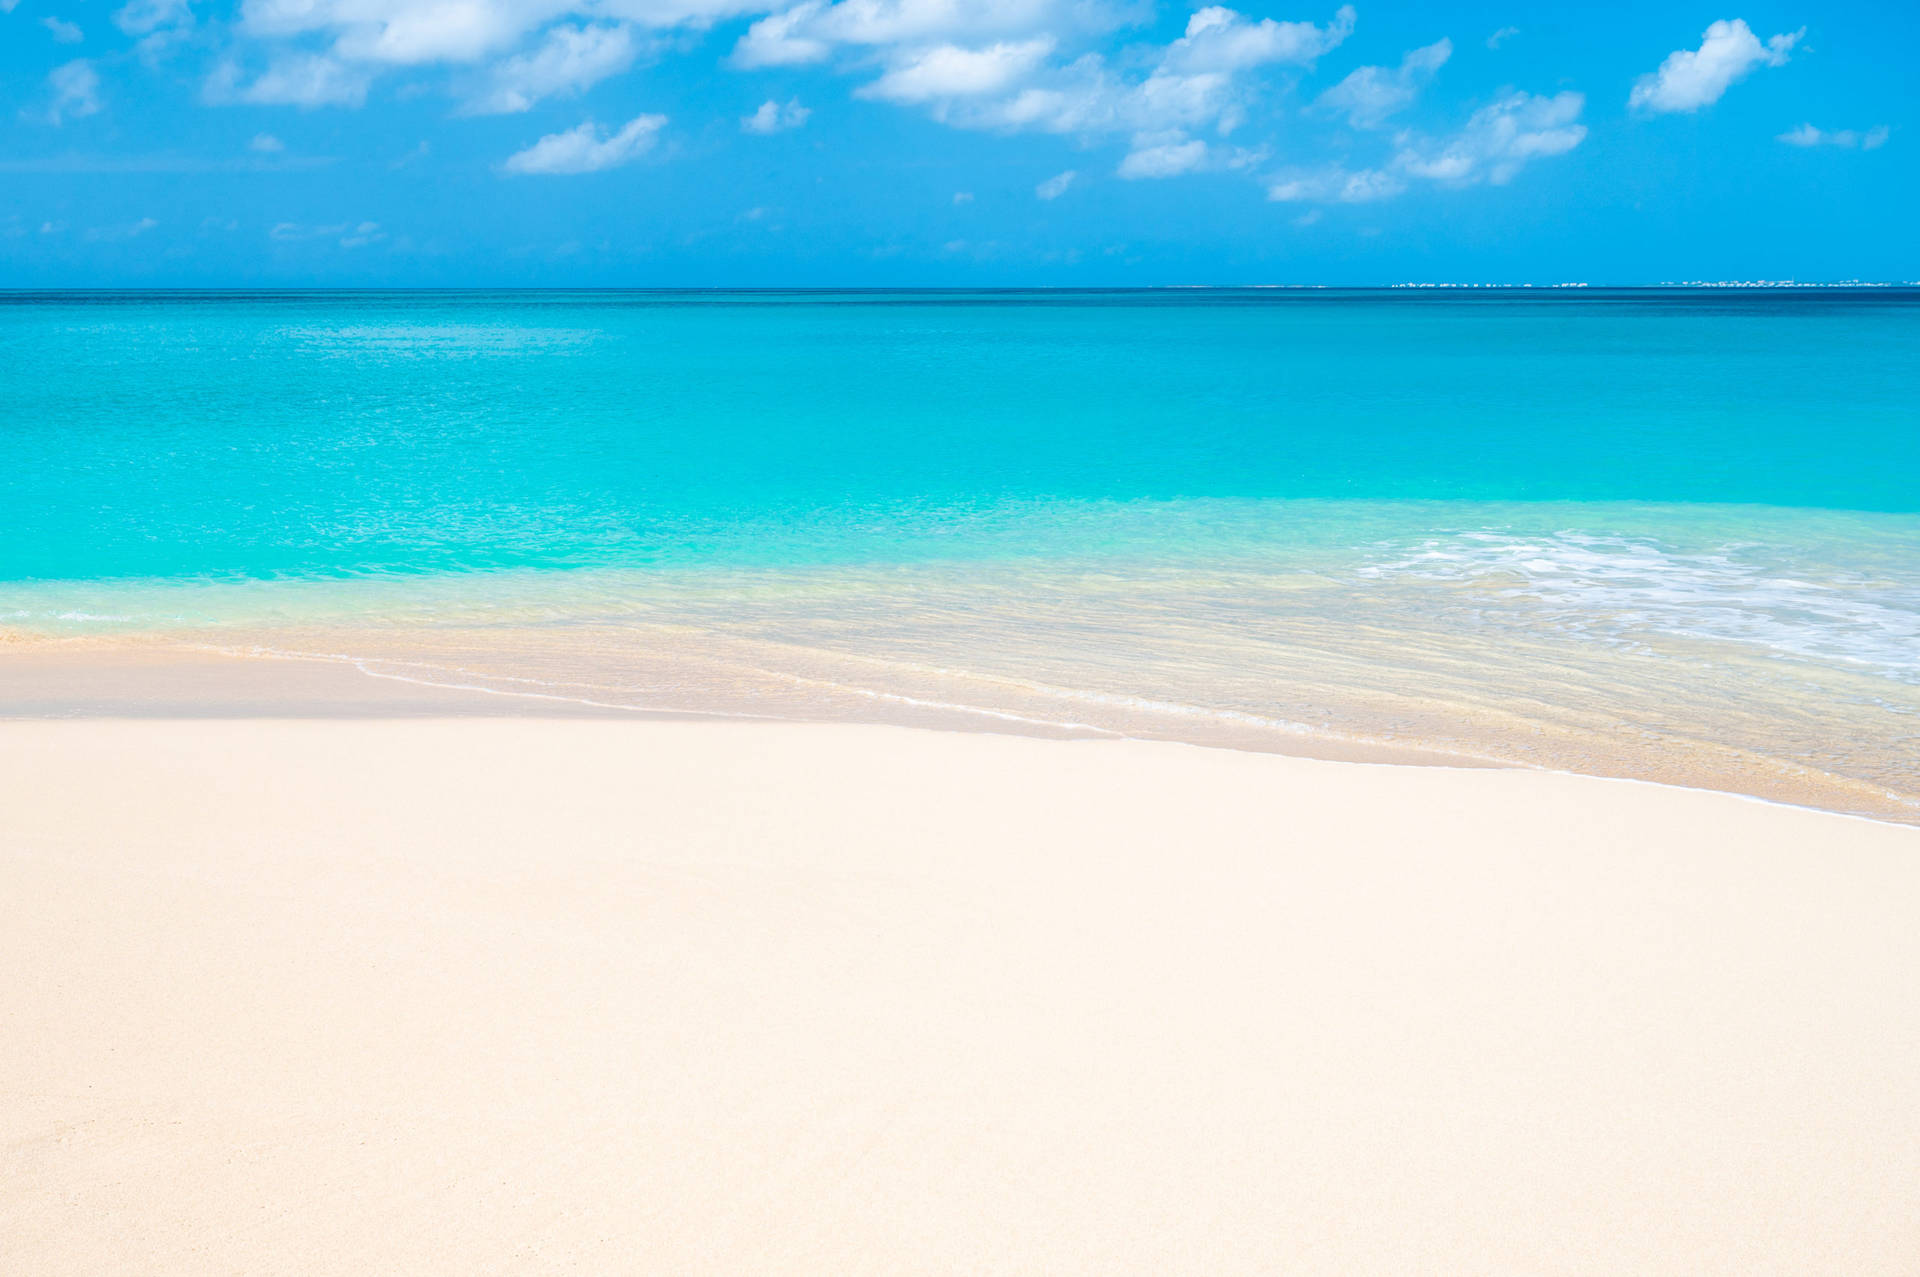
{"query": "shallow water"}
[(1674, 536)]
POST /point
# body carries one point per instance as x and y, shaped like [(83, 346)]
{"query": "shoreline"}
[(92, 677), (486, 992), (156, 677)]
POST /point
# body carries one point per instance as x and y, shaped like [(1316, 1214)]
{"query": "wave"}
[(1629, 589)]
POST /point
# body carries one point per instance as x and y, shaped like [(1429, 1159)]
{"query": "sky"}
[(744, 143)]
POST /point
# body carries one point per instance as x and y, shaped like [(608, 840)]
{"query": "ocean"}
[(1665, 535)]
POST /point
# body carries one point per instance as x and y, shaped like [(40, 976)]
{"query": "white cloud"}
[(1501, 137), (348, 234), (1162, 155), (1087, 97), (773, 117), (1054, 187), (1007, 65), (124, 231), (966, 197), (1370, 94), (570, 60), (783, 40), (1001, 65), (304, 80), (402, 31), (160, 24), (142, 17), (1497, 140), (63, 32), (1807, 135), (949, 71), (266, 144), (1010, 66), (530, 49), (1336, 186), (812, 30), (414, 32), (584, 150), (1501, 36), (1218, 39), (76, 91), (1692, 78)]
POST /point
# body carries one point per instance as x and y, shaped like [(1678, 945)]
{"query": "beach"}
[(865, 638), (435, 988), (1149, 781)]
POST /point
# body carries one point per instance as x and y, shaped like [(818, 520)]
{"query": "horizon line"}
[(1849, 285)]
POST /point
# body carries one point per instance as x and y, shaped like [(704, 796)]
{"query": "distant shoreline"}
[(29, 292)]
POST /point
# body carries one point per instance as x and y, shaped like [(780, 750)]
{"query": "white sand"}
[(434, 996)]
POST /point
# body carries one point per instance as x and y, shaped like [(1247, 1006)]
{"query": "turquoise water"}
[(189, 435), (1482, 520)]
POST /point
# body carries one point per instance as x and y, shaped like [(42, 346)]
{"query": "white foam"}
[(1626, 589)]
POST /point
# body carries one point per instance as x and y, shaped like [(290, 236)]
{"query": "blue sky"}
[(951, 142)]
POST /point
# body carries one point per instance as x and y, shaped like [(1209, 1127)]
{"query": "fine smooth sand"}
[(420, 995)]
